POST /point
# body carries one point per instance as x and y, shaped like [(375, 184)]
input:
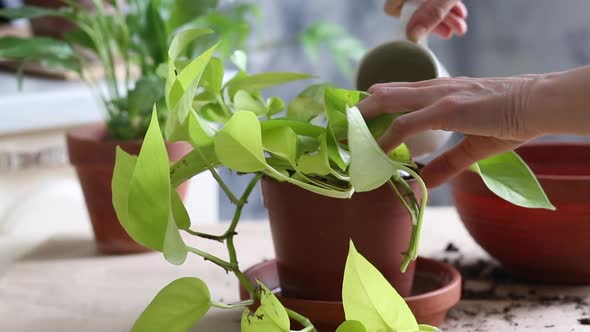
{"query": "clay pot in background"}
[(93, 156), (54, 27), (536, 244), (311, 236)]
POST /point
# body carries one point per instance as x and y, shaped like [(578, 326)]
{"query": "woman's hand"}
[(443, 17), (491, 113)]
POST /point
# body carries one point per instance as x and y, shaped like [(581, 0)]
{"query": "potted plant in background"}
[(314, 157), (130, 44)]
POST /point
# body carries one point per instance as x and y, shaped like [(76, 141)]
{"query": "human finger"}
[(469, 151), (427, 17)]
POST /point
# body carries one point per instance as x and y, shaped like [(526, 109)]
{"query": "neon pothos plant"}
[(321, 144)]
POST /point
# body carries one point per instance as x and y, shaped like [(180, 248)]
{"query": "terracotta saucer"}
[(437, 288)]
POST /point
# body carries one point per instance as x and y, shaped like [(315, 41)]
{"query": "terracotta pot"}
[(92, 153), (311, 236), (535, 244), (437, 288), (54, 27)]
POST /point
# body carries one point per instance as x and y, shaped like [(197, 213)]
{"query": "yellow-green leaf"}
[(239, 144)]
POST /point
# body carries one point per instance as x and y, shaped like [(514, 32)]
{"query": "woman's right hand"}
[(489, 112)]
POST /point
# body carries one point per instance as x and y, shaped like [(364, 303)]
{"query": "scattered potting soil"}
[(485, 279)]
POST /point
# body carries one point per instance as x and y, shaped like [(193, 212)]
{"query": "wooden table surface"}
[(62, 284)]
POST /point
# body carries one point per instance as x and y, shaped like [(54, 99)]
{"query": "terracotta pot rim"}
[(449, 287), (97, 133)]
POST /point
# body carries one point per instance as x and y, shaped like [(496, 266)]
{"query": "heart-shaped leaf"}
[(316, 163), (240, 59), (336, 101), (370, 299), (509, 177), (282, 142), (351, 326), (370, 167), (176, 308), (149, 191), (259, 82), (239, 144), (299, 127), (243, 101), (174, 249), (270, 316)]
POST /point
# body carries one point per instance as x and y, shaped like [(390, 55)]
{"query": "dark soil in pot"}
[(539, 245), (92, 153), (311, 236)]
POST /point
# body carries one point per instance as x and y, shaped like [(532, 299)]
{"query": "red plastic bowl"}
[(536, 244)]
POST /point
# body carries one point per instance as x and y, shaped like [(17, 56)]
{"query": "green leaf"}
[(195, 162), (379, 125), (124, 167), (33, 12), (176, 308), (299, 127), (180, 214), (157, 42), (193, 130), (240, 59), (336, 101), (212, 79), (402, 155), (243, 101), (428, 328), (369, 298), (308, 104), (280, 175), (337, 154), (239, 144), (148, 90), (282, 142), (184, 11), (316, 163), (270, 316), (351, 326), (174, 249), (275, 105), (50, 53), (509, 177), (370, 167), (259, 82), (185, 85), (183, 39), (149, 191)]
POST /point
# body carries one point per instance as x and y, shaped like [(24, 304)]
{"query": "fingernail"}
[(418, 32)]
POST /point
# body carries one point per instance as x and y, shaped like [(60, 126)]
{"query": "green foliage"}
[(139, 36), (270, 316), (370, 299), (176, 308), (328, 149), (509, 177), (344, 48)]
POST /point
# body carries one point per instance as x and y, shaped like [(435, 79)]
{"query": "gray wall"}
[(505, 38)]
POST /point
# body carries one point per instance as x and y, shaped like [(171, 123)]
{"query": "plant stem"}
[(232, 305), (219, 180), (227, 266), (218, 238), (231, 232), (412, 252), (307, 324)]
